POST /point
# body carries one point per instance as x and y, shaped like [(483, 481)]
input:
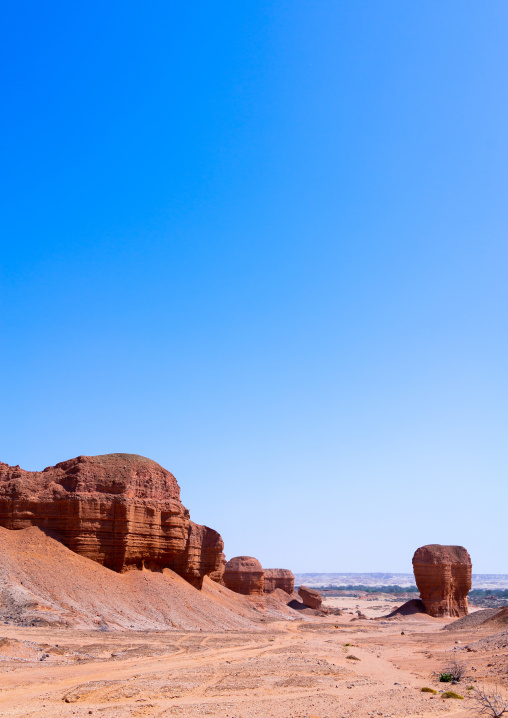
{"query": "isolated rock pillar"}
[(443, 577)]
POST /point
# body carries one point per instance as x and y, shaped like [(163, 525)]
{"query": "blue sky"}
[(264, 244)]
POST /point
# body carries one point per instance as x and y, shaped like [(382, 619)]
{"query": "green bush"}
[(445, 677), (454, 671), (451, 694), (426, 689)]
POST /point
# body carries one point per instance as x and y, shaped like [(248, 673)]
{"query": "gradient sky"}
[(264, 243)]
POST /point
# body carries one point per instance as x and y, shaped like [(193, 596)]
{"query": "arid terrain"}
[(310, 666), (114, 604)]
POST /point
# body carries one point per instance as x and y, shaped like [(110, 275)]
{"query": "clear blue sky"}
[(265, 244)]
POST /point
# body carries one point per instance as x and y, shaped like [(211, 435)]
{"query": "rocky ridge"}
[(120, 510)]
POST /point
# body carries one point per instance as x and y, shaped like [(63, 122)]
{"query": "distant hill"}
[(479, 580)]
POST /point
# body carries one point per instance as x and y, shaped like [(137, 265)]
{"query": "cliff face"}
[(244, 574), (120, 510), (202, 556), (278, 578), (443, 577)]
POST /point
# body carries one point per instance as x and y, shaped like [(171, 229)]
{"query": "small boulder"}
[(310, 597)]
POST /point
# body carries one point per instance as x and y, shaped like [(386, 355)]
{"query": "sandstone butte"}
[(443, 577), (244, 574), (278, 578), (120, 510), (310, 597)]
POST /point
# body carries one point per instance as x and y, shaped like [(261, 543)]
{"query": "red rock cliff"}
[(278, 578), (121, 510), (200, 557), (443, 577)]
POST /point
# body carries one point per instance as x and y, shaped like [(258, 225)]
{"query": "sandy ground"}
[(379, 605), (290, 669)]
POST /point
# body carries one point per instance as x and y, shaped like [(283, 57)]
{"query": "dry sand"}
[(242, 657), (44, 583)]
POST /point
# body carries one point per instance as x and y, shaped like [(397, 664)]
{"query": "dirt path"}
[(319, 669)]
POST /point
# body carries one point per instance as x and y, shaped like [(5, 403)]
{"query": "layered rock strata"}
[(200, 556), (120, 510), (244, 574), (443, 577), (278, 578), (310, 597)]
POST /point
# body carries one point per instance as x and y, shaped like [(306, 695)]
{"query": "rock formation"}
[(200, 556), (244, 574), (443, 577), (120, 510), (310, 597), (279, 578)]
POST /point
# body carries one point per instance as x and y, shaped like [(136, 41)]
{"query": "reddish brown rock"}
[(443, 577), (200, 557), (121, 510), (310, 597), (278, 578), (244, 574)]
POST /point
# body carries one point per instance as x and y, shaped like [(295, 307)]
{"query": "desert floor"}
[(308, 667)]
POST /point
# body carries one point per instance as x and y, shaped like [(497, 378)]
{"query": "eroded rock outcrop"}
[(200, 556), (120, 510), (278, 578), (244, 574), (443, 577), (310, 597)]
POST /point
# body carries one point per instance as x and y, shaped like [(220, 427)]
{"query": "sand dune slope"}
[(44, 583)]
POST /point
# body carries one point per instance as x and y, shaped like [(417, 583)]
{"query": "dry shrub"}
[(490, 702), (454, 671)]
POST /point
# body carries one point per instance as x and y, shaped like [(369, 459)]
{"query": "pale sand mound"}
[(471, 621), (498, 620), (44, 583)]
